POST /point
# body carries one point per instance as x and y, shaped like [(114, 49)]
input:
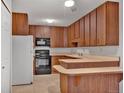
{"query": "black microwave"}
[(42, 42)]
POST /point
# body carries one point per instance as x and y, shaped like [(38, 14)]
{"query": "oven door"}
[(43, 66)]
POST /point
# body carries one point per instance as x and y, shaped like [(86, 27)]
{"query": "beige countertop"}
[(79, 71), (69, 61), (85, 58), (59, 54)]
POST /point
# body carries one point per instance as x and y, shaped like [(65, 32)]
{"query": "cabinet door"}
[(32, 30), (93, 28), (46, 31), (20, 24), (65, 37), (112, 23), (77, 30), (72, 32), (82, 32), (87, 30), (60, 36), (101, 25), (57, 37), (69, 36), (53, 42), (39, 31), (54, 61)]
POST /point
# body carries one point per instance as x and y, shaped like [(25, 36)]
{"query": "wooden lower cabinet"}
[(90, 83), (54, 61)]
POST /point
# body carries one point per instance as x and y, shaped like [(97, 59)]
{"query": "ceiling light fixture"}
[(69, 3), (50, 20)]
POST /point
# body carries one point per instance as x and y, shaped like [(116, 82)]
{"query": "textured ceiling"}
[(39, 10)]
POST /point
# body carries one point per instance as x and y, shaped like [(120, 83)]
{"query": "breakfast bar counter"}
[(90, 80)]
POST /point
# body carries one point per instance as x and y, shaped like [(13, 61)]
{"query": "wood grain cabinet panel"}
[(72, 32), (108, 24), (93, 31), (112, 34), (20, 24), (57, 37), (101, 25), (69, 37), (14, 23), (82, 32), (87, 30), (65, 37), (47, 30), (40, 31), (77, 30), (54, 61), (32, 30)]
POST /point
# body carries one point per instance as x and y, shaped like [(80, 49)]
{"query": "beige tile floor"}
[(41, 84)]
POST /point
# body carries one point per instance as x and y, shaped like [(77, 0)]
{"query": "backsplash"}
[(101, 50), (60, 50)]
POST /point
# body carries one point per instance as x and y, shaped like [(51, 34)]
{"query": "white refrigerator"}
[(22, 60)]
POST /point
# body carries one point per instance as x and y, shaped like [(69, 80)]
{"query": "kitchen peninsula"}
[(87, 74)]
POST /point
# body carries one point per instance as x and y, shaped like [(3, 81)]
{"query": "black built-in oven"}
[(42, 42), (43, 62)]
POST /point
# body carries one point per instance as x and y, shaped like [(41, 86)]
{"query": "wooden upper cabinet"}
[(72, 32), (32, 30), (70, 36), (93, 31), (39, 31), (42, 31), (112, 36), (77, 30), (65, 36), (20, 24), (82, 32), (87, 30), (57, 37), (108, 24), (101, 25), (47, 31)]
